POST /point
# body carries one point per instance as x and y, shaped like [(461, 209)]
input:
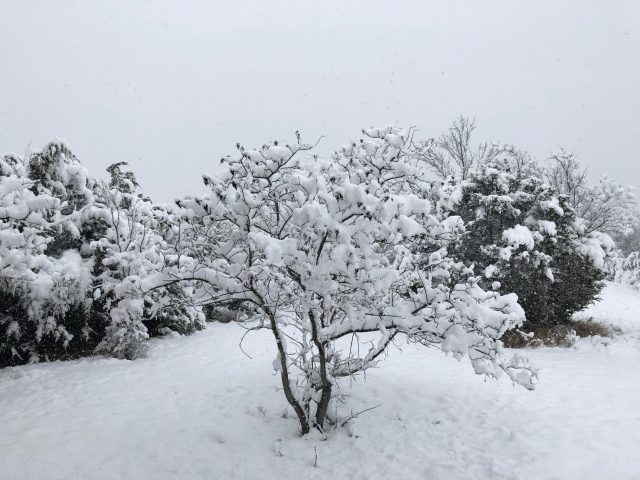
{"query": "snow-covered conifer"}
[(522, 237)]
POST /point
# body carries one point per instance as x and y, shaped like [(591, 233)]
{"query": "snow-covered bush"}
[(626, 270), (522, 237), (133, 247), (42, 283), (324, 252), (72, 253)]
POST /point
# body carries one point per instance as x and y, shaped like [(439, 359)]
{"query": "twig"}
[(257, 327), (355, 415)]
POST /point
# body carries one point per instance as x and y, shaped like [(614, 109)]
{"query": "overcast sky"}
[(170, 86)]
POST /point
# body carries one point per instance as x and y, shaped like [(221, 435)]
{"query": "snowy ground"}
[(198, 408)]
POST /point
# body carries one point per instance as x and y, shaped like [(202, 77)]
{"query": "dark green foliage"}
[(577, 285), (177, 316), (61, 240), (15, 349), (552, 278), (87, 325), (78, 332), (50, 171), (122, 179)]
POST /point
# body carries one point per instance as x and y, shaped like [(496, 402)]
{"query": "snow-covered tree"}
[(325, 253), (452, 155), (523, 237), (42, 279), (608, 206)]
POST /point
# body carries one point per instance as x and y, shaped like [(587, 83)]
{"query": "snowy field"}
[(197, 407)]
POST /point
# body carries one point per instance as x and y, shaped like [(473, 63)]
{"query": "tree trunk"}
[(284, 375), (323, 407), (326, 386)]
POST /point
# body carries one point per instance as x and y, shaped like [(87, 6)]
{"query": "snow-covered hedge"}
[(73, 251)]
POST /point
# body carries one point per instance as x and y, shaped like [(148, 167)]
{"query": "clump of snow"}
[(519, 236), (597, 247), (547, 227), (490, 271), (553, 204)]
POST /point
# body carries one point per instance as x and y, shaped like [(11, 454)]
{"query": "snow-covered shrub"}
[(324, 253), (626, 270), (133, 247), (73, 251), (41, 291), (522, 237)]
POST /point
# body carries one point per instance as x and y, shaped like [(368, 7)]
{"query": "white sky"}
[(170, 87)]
